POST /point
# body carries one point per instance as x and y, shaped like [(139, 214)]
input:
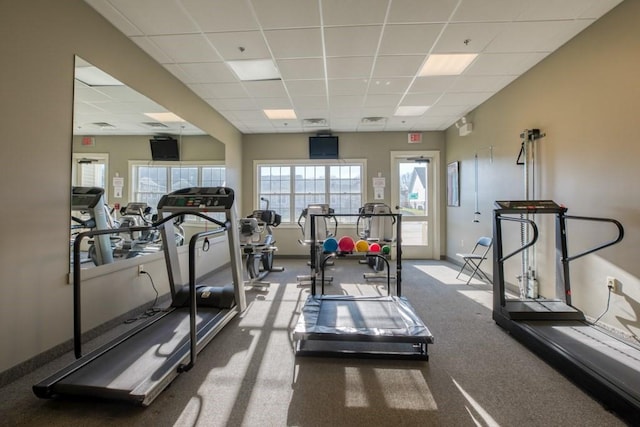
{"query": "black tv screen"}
[(164, 148), (323, 147)]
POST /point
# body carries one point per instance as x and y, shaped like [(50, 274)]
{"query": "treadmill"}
[(602, 364), (359, 326), (138, 365)]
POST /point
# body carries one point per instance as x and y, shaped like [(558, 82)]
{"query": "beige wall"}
[(374, 147), (39, 41), (586, 98)]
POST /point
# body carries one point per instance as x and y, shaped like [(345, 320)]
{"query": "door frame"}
[(435, 195)]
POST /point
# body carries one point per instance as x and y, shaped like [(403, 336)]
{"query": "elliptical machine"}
[(258, 244)]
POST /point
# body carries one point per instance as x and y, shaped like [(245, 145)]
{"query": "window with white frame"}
[(290, 187), (149, 182)]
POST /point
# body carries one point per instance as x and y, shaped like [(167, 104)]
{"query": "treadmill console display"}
[(83, 198), (213, 198), (529, 206)]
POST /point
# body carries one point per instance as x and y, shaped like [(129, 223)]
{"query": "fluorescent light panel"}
[(258, 69), (411, 110), (280, 114), (165, 117), (447, 65)]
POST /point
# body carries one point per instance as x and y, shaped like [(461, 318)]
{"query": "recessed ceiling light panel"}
[(411, 110), (447, 65), (280, 114), (255, 69)]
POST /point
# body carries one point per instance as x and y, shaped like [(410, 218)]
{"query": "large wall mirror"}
[(127, 152)]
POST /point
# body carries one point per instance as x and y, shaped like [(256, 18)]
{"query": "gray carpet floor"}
[(477, 375)]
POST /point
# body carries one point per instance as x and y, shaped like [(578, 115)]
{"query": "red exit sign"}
[(415, 137)]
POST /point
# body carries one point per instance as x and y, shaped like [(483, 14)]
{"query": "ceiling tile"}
[(155, 17), (266, 89), (354, 12), (298, 88), (349, 101), (541, 10), (239, 45), (311, 102), (352, 41), (349, 67), (504, 63), (397, 65), (434, 84), (152, 49), (232, 104), (598, 8), (270, 103), (348, 86), (389, 85), (409, 39), (467, 38), (220, 90), (532, 36), (186, 48), (418, 99), (389, 100), (480, 83), (489, 10), (307, 68), (297, 43), (221, 15), (287, 13), (464, 98), (421, 11), (449, 110), (208, 72), (115, 17)]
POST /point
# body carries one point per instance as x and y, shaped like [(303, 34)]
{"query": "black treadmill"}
[(360, 326), (602, 364), (137, 366)]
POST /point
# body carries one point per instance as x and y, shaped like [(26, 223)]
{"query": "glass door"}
[(414, 192)]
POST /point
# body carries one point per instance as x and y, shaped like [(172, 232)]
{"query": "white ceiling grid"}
[(345, 60)]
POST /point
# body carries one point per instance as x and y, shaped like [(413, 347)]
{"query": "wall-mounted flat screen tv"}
[(164, 148), (323, 147)]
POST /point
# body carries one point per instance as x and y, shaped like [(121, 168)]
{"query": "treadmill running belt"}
[(595, 349), (143, 358), (359, 314)]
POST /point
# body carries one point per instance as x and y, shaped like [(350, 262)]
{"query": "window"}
[(290, 188), (90, 170), (150, 182)]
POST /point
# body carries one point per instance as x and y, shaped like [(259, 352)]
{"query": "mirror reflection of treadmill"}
[(605, 365), (140, 364)]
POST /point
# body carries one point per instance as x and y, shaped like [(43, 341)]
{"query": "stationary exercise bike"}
[(258, 244)]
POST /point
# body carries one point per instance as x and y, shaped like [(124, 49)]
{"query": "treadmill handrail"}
[(533, 240), (602, 246), (193, 306)]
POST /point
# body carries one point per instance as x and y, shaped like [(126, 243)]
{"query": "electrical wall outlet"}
[(140, 269), (462, 243), (612, 284)]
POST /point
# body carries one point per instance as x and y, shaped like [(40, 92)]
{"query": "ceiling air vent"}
[(155, 125), (103, 125), (373, 120), (314, 123)]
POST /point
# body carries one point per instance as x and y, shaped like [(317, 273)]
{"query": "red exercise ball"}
[(346, 244), (374, 247)]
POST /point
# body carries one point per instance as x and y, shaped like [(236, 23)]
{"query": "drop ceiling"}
[(347, 65)]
